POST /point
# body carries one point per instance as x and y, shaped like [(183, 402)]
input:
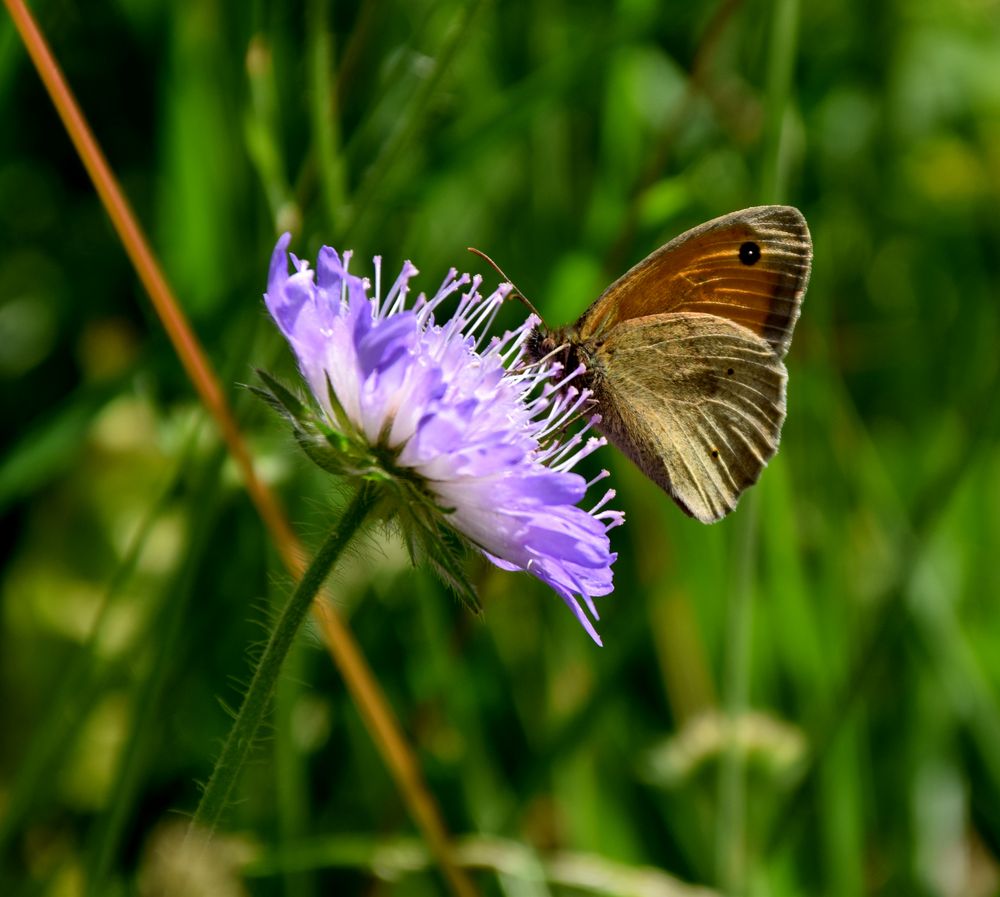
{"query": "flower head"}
[(463, 430)]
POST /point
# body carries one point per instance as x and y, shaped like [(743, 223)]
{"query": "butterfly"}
[(684, 354)]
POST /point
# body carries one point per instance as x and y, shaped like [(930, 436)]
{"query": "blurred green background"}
[(802, 699)]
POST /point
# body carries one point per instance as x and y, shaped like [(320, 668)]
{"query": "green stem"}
[(325, 111), (731, 832), (732, 848), (255, 703), (412, 118), (783, 41)]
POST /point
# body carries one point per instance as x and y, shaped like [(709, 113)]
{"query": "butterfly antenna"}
[(499, 270)]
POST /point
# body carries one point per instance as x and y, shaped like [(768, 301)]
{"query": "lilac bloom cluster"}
[(464, 416)]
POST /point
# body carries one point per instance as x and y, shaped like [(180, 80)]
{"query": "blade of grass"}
[(708, 45), (731, 845), (345, 652), (731, 842), (357, 45), (166, 631), (82, 682), (325, 111), (783, 43), (891, 617), (409, 123), (260, 128)]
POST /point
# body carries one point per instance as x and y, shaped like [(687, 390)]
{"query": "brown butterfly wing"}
[(696, 401), (751, 267)]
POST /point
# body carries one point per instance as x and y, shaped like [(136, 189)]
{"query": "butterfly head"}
[(541, 343), (554, 346)]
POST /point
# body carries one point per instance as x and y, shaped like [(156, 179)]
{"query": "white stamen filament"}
[(591, 446), (604, 474), (610, 494)]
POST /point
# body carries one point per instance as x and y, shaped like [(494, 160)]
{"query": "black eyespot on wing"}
[(729, 372), (749, 253), (715, 453)]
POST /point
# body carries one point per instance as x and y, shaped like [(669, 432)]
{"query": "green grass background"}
[(802, 699)]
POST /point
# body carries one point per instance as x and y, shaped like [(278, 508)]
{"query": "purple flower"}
[(469, 436)]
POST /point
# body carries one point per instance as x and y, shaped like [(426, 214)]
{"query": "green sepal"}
[(429, 540), (326, 448), (339, 415), (448, 562), (282, 399), (322, 453), (421, 521), (269, 398)]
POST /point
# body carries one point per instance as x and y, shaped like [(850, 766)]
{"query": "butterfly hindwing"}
[(696, 400)]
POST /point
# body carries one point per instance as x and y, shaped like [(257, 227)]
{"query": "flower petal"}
[(451, 418)]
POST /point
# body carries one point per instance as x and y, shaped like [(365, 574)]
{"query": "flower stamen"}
[(468, 442)]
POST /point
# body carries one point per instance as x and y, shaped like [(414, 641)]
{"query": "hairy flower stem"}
[(255, 702)]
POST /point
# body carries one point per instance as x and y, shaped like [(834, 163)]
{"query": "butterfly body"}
[(683, 354)]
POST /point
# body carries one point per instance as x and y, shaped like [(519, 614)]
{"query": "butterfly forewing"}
[(750, 267), (696, 401)]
